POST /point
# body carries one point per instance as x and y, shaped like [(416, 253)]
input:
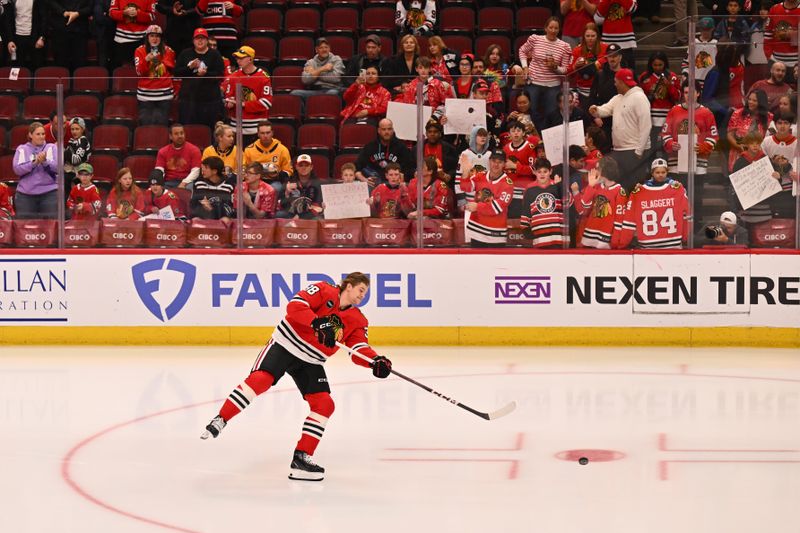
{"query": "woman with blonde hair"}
[(443, 60), (224, 146), (399, 69)]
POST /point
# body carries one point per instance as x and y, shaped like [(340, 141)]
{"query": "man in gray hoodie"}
[(322, 73)]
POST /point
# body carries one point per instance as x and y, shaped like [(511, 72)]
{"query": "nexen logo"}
[(148, 288)]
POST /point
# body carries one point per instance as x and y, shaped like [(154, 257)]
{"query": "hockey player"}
[(316, 318), (602, 205), (487, 224), (657, 212)]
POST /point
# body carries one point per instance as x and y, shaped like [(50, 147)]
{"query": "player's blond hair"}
[(353, 279)]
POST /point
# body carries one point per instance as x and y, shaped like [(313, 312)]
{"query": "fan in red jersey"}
[(316, 319), (601, 205), (657, 212), (486, 224)]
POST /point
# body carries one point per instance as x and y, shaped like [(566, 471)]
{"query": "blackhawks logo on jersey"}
[(683, 128), (124, 209), (415, 18), (484, 195), (783, 31), (703, 60), (389, 209), (545, 203), (601, 207), (338, 327), (615, 12)]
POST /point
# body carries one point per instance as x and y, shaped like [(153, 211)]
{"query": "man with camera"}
[(726, 233)]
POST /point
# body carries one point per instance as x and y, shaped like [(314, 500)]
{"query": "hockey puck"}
[(583, 461)]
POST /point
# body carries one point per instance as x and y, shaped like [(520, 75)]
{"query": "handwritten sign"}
[(755, 183), (404, 118), (553, 139), (346, 200), (463, 115)]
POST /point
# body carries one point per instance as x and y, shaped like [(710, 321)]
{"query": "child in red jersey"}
[(543, 220), (387, 198), (125, 199), (84, 198), (157, 197)]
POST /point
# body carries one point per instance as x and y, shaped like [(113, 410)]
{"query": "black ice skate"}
[(214, 428), (303, 468)]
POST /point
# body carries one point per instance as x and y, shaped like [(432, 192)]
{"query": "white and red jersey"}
[(779, 32), (434, 93), (155, 78), (256, 97), (582, 77), (489, 223), (656, 214), (705, 135), (435, 199), (88, 197), (220, 22), (543, 214), (131, 29), (296, 335), (167, 199), (663, 91), (6, 202), (388, 201), (617, 23), (361, 96), (604, 210), (523, 155)]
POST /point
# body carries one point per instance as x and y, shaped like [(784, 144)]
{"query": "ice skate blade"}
[(302, 475), (205, 435)]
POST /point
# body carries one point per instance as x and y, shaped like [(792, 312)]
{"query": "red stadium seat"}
[(294, 50), (459, 43), (36, 233), (20, 86), (265, 21), (7, 169), (322, 166), (386, 231), (496, 20), (105, 167), (18, 135), (91, 80), (121, 109), (140, 166), (316, 4), (113, 139), (457, 20), (387, 45), (3, 142), (277, 4), (531, 19), (286, 108), (208, 233), (435, 232), (198, 134), (342, 46), (6, 232), (81, 233), (121, 233), (339, 233), (9, 109), (286, 78), (353, 137), (316, 138), (258, 233), (378, 20), (86, 106), (285, 134), (355, 4), (340, 20), (149, 139), (46, 79), (324, 108), (38, 107), (265, 48), (124, 80), (164, 233), (296, 232), (483, 42), (301, 21), (340, 160)]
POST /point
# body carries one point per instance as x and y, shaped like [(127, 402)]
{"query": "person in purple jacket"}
[(36, 165)]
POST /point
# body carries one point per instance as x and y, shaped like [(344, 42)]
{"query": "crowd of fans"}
[(621, 186)]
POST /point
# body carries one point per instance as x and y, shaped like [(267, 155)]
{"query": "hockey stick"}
[(503, 411)]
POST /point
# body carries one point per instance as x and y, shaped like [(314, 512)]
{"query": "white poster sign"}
[(166, 213), (346, 200), (463, 115), (553, 139), (683, 153), (404, 118), (755, 183)]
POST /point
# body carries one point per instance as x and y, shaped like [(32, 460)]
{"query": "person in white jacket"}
[(630, 135)]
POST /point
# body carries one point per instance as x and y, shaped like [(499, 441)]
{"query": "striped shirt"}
[(539, 48)]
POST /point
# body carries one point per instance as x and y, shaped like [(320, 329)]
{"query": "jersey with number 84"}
[(656, 215)]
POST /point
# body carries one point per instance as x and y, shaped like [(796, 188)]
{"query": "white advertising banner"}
[(679, 290)]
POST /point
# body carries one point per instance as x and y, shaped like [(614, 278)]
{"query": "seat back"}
[(296, 232)]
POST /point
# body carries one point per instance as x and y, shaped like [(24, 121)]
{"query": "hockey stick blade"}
[(503, 411)]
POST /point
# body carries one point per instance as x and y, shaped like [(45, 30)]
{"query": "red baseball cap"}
[(625, 75), (200, 32)]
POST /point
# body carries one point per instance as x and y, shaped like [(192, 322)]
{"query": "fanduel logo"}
[(147, 289), (522, 289)]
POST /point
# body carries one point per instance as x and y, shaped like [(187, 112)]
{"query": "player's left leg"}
[(313, 384)]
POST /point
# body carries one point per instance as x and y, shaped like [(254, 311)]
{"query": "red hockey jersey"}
[(155, 78), (6, 202), (663, 93), (604, 211), (434, 199), (256, 98), (153, 203), (705, 134), (489, 223), (131, 29), (219, 21), (656, 214), (779, 30), (295, 334), (523, 155), (360, 96), (88, 198), (543, 215), (434, 93), (618, 26), (388, 202), (127, 206)]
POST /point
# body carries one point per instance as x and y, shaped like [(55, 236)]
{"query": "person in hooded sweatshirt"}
[(476, 158)]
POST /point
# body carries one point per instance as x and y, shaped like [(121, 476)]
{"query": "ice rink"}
[(106, 439)]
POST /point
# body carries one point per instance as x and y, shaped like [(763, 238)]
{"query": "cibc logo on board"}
[(522, 289), (147, 280)]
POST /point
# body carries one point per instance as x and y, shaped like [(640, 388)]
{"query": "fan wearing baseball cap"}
[(200, 100), (630, 131), (84, 198), (727, 233), (256, 93), (219, 19)]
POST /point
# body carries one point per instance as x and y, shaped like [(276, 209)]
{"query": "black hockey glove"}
[(381, 367), (325, 328)]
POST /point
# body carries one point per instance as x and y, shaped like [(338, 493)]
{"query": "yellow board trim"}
[(415, 336)]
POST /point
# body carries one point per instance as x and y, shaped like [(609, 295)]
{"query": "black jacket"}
[(359, 62), (376, 155), (200, 88), (38, 28), (395, 72), (58, 22)]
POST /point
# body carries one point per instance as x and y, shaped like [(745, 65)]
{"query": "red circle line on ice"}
[(595, 456), (69, 457)]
